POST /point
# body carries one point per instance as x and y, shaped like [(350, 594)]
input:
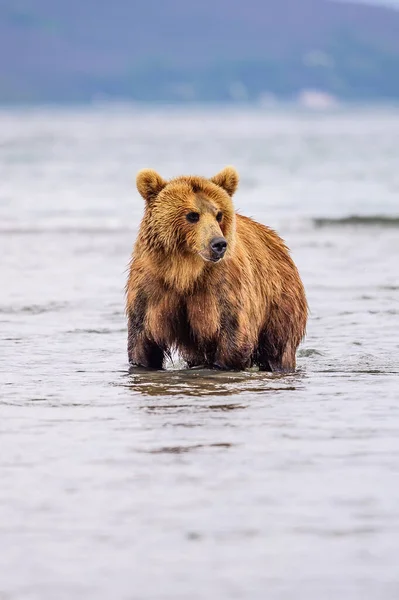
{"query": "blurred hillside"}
[(213, 50)]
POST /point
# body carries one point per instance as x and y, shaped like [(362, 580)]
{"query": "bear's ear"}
[(149, 184), (227, 179)]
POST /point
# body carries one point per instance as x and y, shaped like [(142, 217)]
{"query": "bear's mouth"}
[(212, 259)]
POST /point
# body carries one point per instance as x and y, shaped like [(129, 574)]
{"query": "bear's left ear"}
[(149, 184), (227, 179)]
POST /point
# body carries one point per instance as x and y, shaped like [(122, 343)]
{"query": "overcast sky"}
[(387, 2), (394, 3)]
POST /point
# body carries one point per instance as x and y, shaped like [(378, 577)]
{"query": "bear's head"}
[(189, 216)]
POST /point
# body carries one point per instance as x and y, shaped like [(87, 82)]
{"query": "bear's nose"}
[(218, 247)]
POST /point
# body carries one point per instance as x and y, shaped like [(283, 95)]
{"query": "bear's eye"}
[(193, 217), (219, 217)]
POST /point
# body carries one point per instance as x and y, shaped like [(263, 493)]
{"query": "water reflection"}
[(205, 382)]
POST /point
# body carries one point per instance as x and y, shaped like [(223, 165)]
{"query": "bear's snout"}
[(218, 247)]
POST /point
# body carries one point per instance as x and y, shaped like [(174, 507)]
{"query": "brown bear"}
[(218, 287)]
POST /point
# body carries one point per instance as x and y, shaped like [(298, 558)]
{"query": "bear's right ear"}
[(149, 184)]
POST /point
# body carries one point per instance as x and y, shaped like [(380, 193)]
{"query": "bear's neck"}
[(180, 272)]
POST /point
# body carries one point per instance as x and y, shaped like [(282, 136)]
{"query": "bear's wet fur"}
[(234, 310)]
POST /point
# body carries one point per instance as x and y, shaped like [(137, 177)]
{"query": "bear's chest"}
[(203, 315), (180, 318)]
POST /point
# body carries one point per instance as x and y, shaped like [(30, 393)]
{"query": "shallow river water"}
[(197, 484)]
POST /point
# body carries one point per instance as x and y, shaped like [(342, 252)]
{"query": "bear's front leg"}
[(271, 355), (231, 357), (142, 351), (233, 349), (285, 362)]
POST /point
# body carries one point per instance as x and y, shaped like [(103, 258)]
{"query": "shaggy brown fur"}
[(249, 308)]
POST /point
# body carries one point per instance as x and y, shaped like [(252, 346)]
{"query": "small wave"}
[(184, 449), (64, 229), (99, 331), (308, 352), (358, 221), (33, 309)]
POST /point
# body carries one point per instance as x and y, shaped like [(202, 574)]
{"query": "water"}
[(197, 484)]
